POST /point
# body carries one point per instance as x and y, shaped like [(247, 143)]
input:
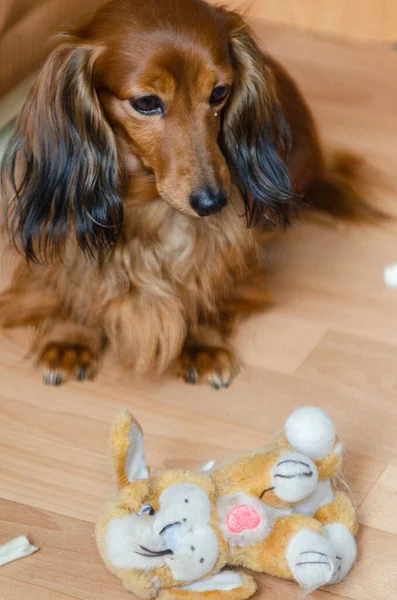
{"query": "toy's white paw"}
[(310, 430), (294, 477), (311, 559), (345, 548)]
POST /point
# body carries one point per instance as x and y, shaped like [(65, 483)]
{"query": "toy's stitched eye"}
[(147, 105), (219, 94), (146, 509)]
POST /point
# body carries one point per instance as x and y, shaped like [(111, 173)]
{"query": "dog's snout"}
[(208, 201)]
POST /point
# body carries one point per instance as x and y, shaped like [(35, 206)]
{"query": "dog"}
[(155, 151)]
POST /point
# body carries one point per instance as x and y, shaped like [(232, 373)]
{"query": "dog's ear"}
[(255, 134), (59, 171), (127, 450)]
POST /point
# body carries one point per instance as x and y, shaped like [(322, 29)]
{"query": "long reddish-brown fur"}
[(97, 193)]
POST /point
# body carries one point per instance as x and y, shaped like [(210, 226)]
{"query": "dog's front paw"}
[(208, 364), (311, 559), (61, 361)]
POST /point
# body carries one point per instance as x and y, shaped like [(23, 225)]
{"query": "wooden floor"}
[(329, 339)]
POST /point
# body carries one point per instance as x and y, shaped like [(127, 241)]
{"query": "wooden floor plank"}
[(379, 509), (14, 589), (67, 562), (364, 371), (265, 341)]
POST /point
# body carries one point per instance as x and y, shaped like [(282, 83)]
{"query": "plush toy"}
[(187, 534)]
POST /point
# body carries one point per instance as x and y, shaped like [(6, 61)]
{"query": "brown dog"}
[(150, 138)]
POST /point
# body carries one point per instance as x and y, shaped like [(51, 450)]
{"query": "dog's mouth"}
[(153, 553), (148, 171)]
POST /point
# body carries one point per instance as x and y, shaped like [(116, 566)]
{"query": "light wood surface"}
[(355, 19), (329, 338)]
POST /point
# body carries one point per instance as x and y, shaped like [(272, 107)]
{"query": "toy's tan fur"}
[(249, 474)]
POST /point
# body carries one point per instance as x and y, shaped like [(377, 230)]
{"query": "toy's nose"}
[(171, 535), (167, 527)]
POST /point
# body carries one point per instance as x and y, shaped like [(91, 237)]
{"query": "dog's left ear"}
[(60, 170), (255, 135)]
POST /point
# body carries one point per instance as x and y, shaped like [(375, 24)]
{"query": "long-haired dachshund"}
[(154, 148)]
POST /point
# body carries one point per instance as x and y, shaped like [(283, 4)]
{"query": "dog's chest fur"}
[(166, 275), (196, 260)]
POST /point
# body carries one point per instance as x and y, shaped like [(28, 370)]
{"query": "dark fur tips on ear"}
[(256, 136), (59, 172)]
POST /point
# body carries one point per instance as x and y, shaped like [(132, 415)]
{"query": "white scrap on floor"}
[(390, 275), (19, 547)]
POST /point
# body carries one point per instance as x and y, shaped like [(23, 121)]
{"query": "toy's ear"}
[(127, 450)]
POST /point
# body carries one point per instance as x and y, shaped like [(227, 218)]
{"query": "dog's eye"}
[(147, 105), (219, 94), (146, 509)]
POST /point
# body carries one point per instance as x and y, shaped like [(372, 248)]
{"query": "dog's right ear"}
[(127, 450), (255, 136), (59, 171)]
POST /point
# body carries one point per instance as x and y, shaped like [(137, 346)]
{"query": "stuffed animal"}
[(188, 534)]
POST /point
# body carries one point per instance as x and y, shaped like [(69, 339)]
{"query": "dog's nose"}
[(208, 201)]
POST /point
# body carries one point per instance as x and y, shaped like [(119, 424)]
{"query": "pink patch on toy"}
[(242, 517)]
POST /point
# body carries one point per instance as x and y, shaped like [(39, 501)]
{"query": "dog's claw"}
[(214, 365), (82, 374), (52, 378), (191, 376)]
